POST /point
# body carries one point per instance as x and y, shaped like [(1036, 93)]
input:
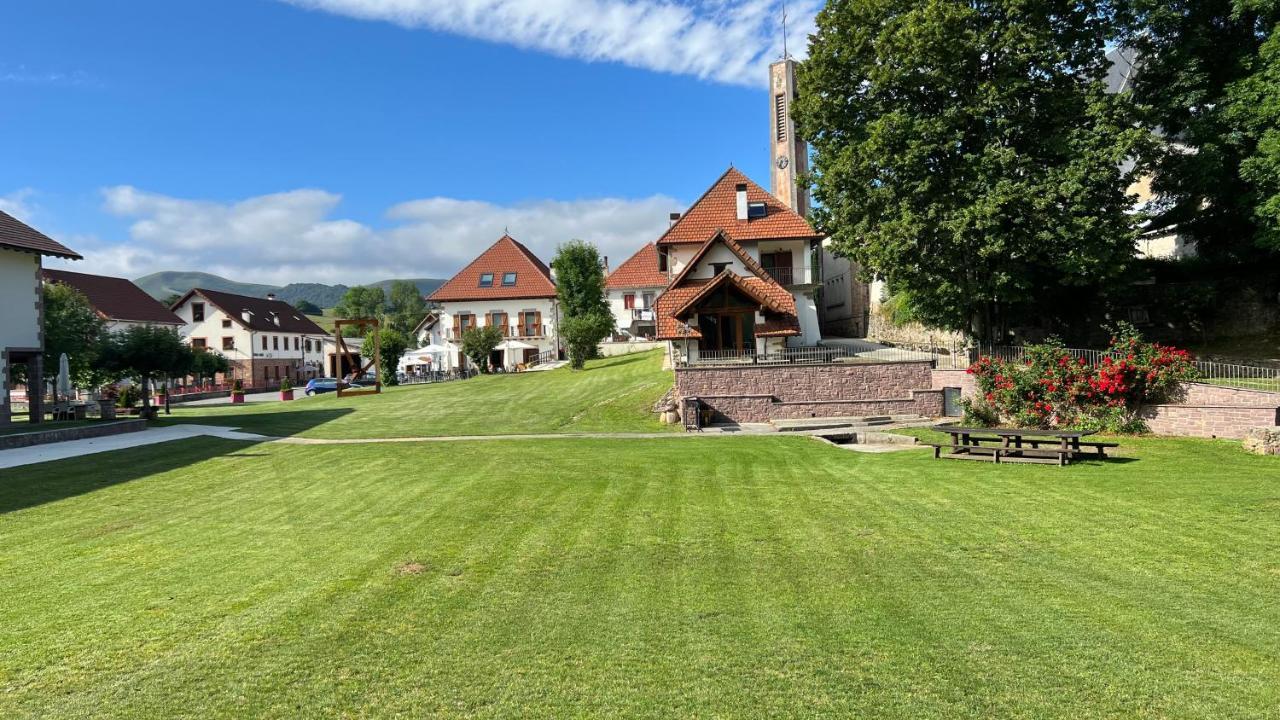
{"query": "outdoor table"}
[(966, 443)]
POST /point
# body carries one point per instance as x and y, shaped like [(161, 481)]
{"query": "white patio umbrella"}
[(510, 345), (63, 386)]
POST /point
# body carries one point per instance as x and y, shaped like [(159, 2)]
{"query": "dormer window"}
[(508, 279), (486, 279), (756, 210)]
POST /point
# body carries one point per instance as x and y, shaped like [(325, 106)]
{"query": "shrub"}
[(1052, 388), (286, 384), (237, 386)]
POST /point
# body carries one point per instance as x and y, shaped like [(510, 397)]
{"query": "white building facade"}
[(506, 287)]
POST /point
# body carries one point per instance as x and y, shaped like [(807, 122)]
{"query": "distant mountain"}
[(161, 285)]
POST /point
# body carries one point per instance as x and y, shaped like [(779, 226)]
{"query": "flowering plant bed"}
[(1051, 388)]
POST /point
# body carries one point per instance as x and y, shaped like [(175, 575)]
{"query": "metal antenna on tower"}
[(785, 54)]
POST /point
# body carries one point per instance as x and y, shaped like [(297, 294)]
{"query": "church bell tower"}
[(790, 154)]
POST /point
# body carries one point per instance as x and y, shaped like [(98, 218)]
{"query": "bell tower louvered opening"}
[(780, 116)]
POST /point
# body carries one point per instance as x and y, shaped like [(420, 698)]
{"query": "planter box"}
[(107, 408), (286, 395), (237, 398)]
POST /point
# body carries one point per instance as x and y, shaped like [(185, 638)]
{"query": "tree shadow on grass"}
[(283, 423), (28, 486)]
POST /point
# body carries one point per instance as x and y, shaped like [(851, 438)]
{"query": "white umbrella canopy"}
[(63, 387), (512, 347), (428, 350)]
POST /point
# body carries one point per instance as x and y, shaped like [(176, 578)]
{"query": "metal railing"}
[(791, 274), (542, 358), (642, 314), (850, 353), (538, 331), (1247, 377)]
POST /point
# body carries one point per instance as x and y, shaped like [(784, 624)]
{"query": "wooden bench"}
[(1098, 447)]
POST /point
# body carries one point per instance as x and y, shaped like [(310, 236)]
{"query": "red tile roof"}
[(640, 270), (682, 297), (16, 234), (115, 298), (717, 209), (533, 277), (262, 312)]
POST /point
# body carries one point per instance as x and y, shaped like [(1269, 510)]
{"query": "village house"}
[(264, 340), (22, 249), (632, 290), (507, 287), (744, 269), (119, 302)]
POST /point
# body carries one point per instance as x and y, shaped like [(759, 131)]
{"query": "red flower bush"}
[(1052, 388)]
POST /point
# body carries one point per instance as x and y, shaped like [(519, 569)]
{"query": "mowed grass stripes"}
[(731, 577), (611, 394)]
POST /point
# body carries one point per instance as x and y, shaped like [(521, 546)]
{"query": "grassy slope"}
[(611, 394), (660, 578)]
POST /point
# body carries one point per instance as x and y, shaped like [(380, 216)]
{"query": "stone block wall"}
[(1205, 410), (761, 393), (954, 378)]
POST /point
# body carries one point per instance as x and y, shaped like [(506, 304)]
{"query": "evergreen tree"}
[(968, 154)]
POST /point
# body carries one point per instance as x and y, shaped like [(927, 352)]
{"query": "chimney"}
[(674, 218), (742, 201), (271, 296)]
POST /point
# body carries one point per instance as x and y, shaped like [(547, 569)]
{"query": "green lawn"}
[(710, 577), (613, 394)]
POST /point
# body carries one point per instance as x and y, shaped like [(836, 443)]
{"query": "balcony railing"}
[(941, 358), (534, 332), (790, 275), (642, 314)]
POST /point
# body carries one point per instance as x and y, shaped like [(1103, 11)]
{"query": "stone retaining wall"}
[(80, 432), (752, 393), (1205, 410)]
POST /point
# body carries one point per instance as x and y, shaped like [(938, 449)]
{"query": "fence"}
[(1248, 377), (847, 352)]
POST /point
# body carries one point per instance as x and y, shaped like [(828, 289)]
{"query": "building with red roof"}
[(632, 289), (743, 273), (116, 300), (22, 251), (507, 287)]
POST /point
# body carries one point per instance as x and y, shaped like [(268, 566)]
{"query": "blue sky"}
[(351, 140)]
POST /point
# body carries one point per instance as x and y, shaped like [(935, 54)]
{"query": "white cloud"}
[(18, 204), (291, 237), (727, 41)]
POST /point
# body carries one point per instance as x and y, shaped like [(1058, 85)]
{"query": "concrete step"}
[(842, 423)]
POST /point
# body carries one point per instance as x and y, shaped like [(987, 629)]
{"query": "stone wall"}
[(1213, 411), (39, 436), (954, 378), (761, 393)]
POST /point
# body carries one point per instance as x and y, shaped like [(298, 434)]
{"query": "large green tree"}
[(478, 343), (1207, 75), (361, 302), (968, 154), (585, 315), (146, 353), (405, 306), (72, 326)]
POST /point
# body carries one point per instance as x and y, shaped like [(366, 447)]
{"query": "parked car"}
[(317, 386)]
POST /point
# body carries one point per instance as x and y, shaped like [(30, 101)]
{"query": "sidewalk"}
[(75, 448)]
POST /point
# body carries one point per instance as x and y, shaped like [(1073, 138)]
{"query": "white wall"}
[(19, 296), (248, 343), (19, 319), (512, 308), (622, 317)]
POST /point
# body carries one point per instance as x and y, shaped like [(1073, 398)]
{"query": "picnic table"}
[(1060, 447)]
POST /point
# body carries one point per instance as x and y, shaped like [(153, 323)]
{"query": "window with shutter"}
[(629, 301)]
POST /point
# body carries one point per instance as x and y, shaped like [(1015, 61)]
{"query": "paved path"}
[(76, 448)]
